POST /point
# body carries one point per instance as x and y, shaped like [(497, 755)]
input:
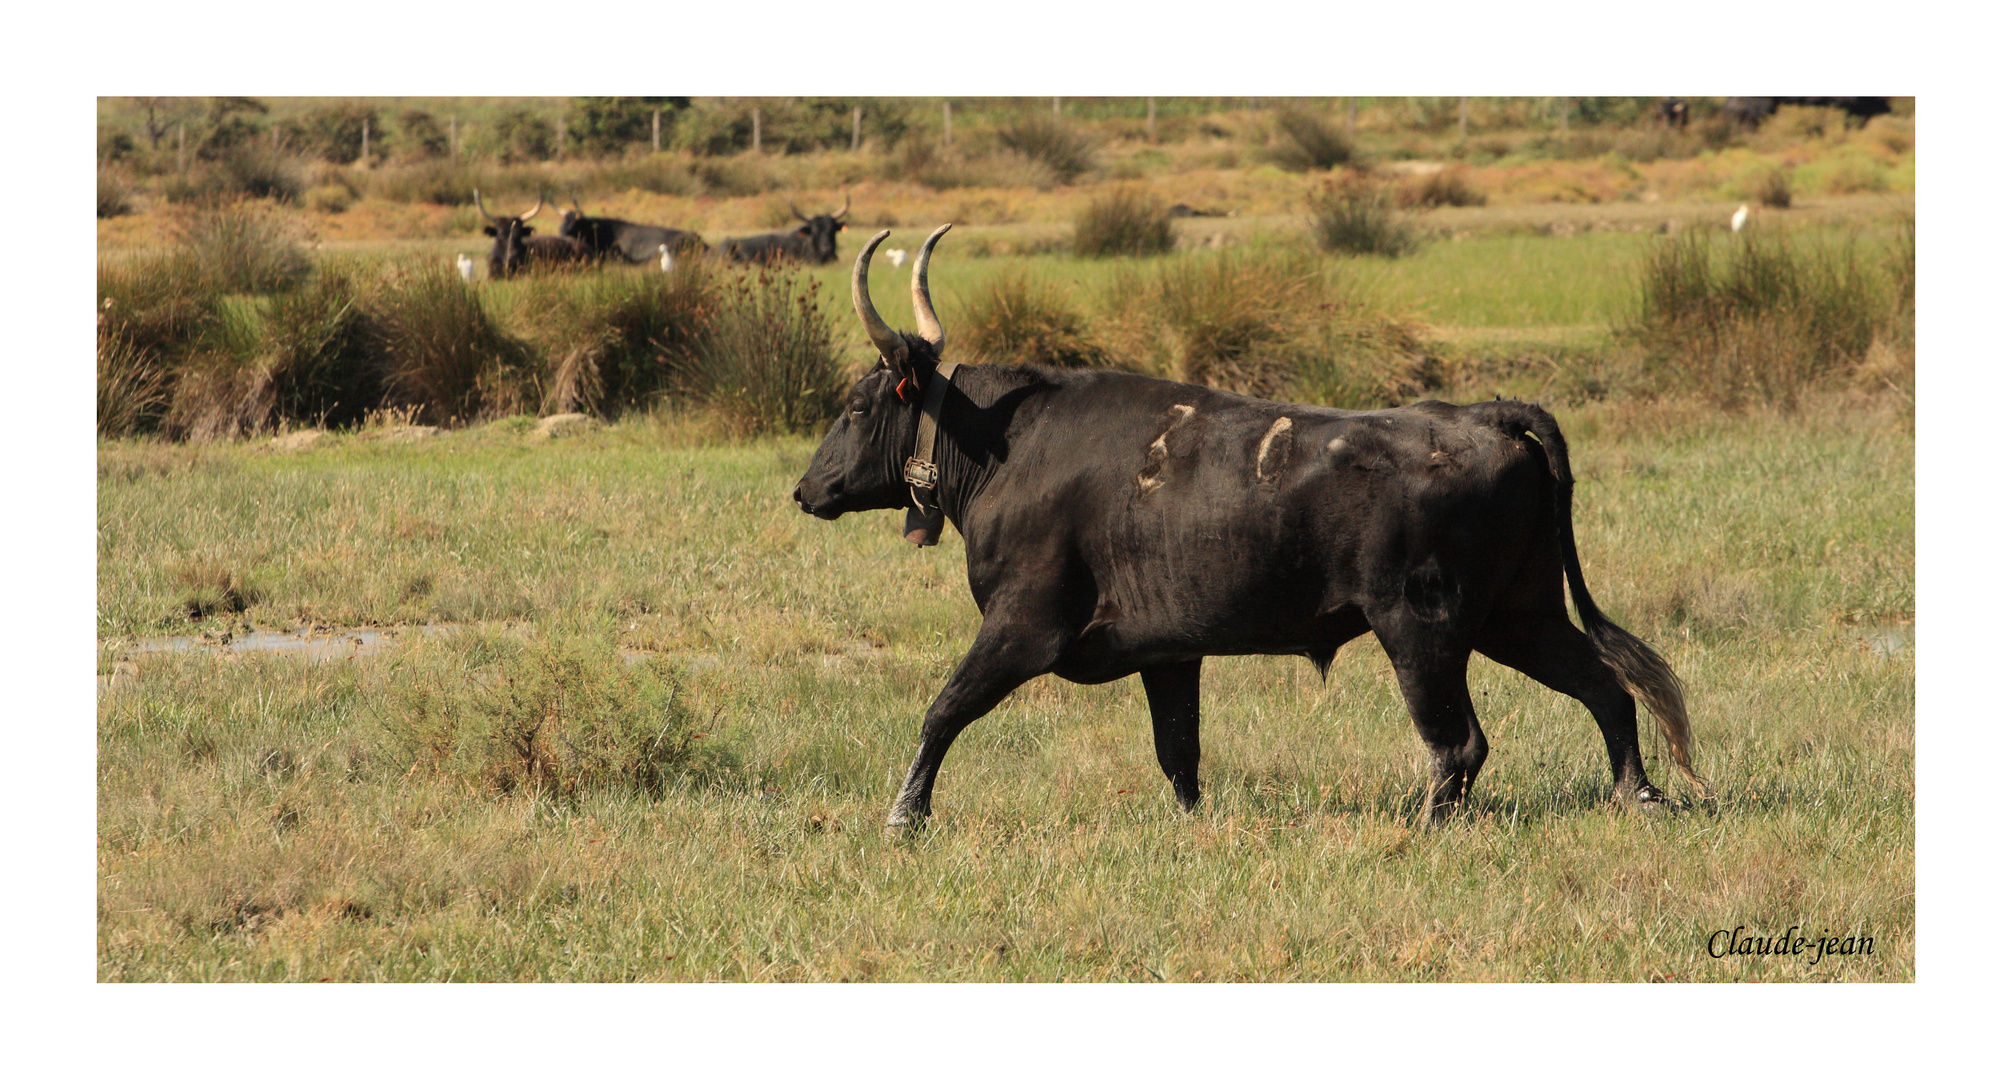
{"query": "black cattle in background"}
[(815, 241), (1116, 524), (1674, 112), (1750, 111), (632, 242), (516, 248)]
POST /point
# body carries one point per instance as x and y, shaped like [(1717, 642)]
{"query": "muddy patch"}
[(1885, 639)]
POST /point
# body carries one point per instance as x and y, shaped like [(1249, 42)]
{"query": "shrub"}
[(611, 335), (328, 198), (240, 247), (1772, 189), (443, 354), (1754, 317), (334, 132), (421, 136), (1447, 187), (1306, 141), (1357, 219), (611, 124), (1017, 320), (218, 396), (769, 360), (321, 351), (522, 135), (1126, 221), (556, 716), (114, 196), (132, 386), (1066, 151), (158, 305), (1271, 322)]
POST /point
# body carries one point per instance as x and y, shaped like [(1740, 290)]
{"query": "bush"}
[(1357, 219), (1755, 318), (421, 136), (605, 125), (1066, 151), (1307, 141), (328, 198), (240, 247), (1270, 322), (114, 196), (1017, 320), (132, 386), (158, 305), (611, 335), (334, 133), (321, 351), (443, 354), (1772, 190), (769, 360), (522, 135), (553, 717), (1447, 187), (1124, 222)]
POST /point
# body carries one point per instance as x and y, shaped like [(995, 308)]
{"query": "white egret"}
[(897, 256), (466, 265), (1740, 218), (664, 257)]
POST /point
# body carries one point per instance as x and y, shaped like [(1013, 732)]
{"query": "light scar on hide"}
[(1274, 449), (1156, 452)]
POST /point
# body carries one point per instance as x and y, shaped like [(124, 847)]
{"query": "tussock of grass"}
[(1307, 141), (769, 361), (1270, 321), (1127, 221), (558, 715), (1016, 319), (1356, 218), (1447, 187), (1065, 150), (445, 354), (1757, 317), (241, 247), (132, 385)]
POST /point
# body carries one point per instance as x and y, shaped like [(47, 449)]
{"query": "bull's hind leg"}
[(1431, 670), (1174, 692), (1548, 648)]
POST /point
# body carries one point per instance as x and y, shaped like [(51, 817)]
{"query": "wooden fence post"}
[(181, 147), (1351, 118), (453, 138), (946, 125), (560, 124), (1058, 106), (1151, 112), (656, 131), (364, 160), (1463, 118), (1564, 114), (855, 129), (757, 129)]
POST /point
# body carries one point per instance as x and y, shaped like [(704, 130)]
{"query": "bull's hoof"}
[(901, 817), (1645, 797)]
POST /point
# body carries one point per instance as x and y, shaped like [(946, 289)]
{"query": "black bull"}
[(613, 236), (814, 241), (1116, 524)]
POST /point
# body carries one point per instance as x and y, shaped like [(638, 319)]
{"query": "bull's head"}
[(859, 464), (508, 254), (569, 220), (823, 230)]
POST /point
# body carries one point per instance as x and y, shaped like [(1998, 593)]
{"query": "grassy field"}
[(266, 817), (610, 707)]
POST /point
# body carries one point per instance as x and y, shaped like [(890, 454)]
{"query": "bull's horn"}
[(539, 205), (794, 210), (926, 323), (484, 209), (848, 207), (575, 196), (884, 338)]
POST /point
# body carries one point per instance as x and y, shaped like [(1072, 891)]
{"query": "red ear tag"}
[(901, 388)]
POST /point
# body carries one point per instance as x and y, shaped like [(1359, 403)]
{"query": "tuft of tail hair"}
[(1641, 671)]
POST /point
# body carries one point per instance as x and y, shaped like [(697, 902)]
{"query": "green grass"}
[(260, 818)]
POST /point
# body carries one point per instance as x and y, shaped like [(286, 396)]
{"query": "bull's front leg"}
[(1015, 644), (1174, 693)]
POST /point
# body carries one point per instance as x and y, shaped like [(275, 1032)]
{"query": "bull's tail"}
[(1640, 670)]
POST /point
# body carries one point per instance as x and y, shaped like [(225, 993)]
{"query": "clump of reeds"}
[(1064, 149), (1015, 319), (1358, 218), (1126, 221), (768, 361), (1757, 317), (444, 353)]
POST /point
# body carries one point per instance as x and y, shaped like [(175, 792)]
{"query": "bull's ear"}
[(489, 230), (528, 230)]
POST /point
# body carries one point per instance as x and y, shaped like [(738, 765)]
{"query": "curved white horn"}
[(926, 323)]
